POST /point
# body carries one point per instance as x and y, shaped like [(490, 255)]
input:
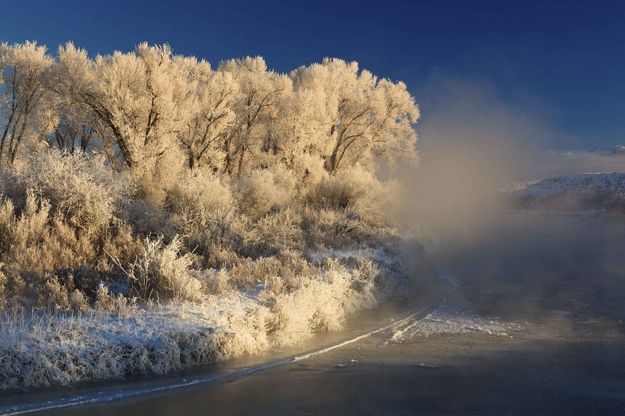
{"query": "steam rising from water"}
[(517, 265), (472, 146)]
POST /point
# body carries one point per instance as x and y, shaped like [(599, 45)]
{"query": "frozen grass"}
[(63, 348), (118, 338)]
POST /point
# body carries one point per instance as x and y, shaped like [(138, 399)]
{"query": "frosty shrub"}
[(333, 192), (31, 241), (119, 305), (217, 282), (220, 256), (14, 290), (356, 189), (154, 180), (264, 190), (78, 302), (320, 303), (332, 227), (58, 294), (202, 205), (36, 240), (147, 218), (53, 294), (275, 232), (282, 272), (77, 186), (200, 197), (162, 273)]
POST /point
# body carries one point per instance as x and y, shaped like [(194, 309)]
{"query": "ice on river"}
[(451, 318)]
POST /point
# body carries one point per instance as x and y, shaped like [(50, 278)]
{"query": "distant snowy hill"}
[(614, 150), (604, 191)]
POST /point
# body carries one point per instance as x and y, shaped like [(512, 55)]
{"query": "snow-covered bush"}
[(156, 177), (78, 187), (322, 302), (119, 305), (36, 240), (53, 294), (147, 218), (358, 190), (162, 273), (276, 231), (264, 190), (200, 197), (332, 227), (217, 282), (202, 205), (289, 268)]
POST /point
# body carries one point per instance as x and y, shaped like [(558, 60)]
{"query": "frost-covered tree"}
[(212, 117), (82, 119), (151, 112), (255, 109), (76, 124), (25, 105), (299, 135), (363, 117), (139, 100)]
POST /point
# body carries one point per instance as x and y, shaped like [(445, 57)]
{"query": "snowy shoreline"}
[(64, 348)]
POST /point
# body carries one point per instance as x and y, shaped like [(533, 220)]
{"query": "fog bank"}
[(472, 146)]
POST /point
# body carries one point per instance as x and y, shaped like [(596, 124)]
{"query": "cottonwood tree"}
[(363, 117), (212, 117), (255, 109), (297, 135), (76, 125), (152, 112), (73, 83), (139, 100), (25, 105)]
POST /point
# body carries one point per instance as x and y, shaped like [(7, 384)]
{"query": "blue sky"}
[(562, 63)]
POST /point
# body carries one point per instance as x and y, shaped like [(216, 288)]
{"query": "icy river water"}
[(531, 321)]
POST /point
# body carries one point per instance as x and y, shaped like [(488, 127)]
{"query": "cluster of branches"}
[(149, 108)]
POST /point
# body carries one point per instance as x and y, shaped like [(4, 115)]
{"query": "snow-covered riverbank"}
[(39, 349)]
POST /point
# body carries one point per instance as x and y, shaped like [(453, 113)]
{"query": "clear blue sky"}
[(564, 61)]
